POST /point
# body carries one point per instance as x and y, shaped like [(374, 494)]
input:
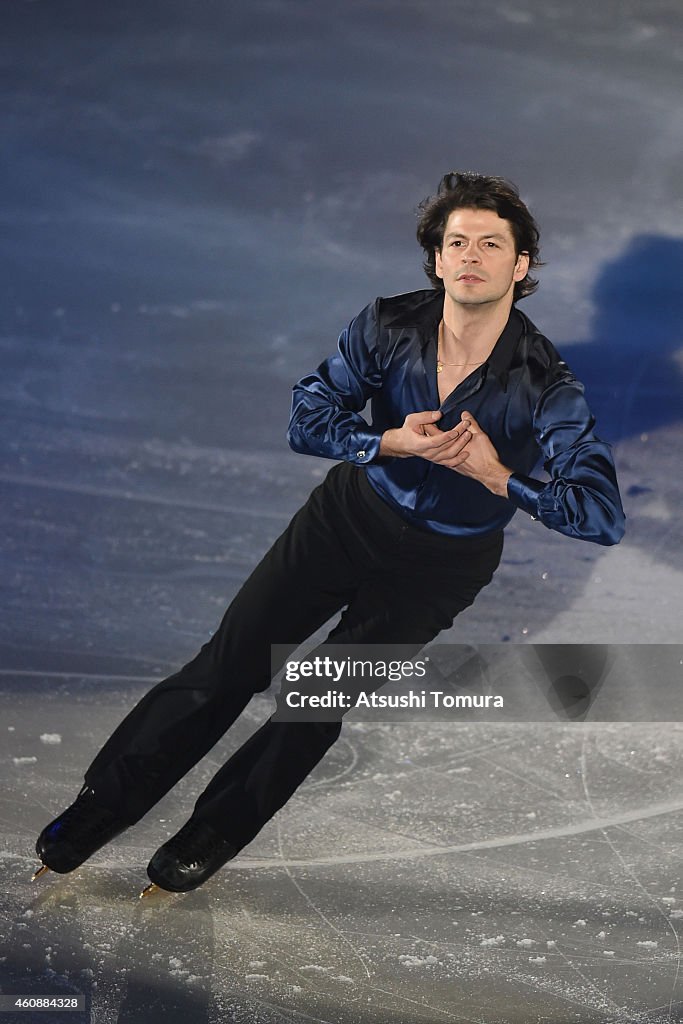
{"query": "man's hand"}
[(420, 436), (482, 462)]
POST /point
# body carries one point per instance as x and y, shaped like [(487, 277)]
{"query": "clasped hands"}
[(465, 448)]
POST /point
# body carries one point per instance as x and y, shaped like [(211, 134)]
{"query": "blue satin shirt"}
[(524, 396)]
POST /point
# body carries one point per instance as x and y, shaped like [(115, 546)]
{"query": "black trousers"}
[(345, 549)]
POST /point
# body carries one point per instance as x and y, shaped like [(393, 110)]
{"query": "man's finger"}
[(469, 420), (448, 438), (416, 419), (444, 454), (431, 430), (458, 460)]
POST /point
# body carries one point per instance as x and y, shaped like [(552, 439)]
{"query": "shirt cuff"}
[(524, 491), (365, 446)]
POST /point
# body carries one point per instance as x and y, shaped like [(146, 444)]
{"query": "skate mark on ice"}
[(559, 832), (649, 842), (345, 771), (601, 747), (631, 874), (411, 853), (546, 790), (312, 905), (147, 499), (603, 999), (447, 1014), (80, 675)]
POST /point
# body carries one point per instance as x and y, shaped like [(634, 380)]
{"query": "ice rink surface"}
[(195, 200)]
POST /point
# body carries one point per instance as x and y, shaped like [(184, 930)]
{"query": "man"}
[(402, 534)]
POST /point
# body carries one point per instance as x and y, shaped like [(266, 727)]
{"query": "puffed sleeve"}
[(582, 497), (326, 404)]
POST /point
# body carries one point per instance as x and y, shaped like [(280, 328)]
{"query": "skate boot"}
[(188, 858), (76, 834)]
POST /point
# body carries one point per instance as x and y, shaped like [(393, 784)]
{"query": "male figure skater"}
[(406, 529)]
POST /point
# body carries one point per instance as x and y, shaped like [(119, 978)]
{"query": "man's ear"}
[(438, 266), (521, 267)]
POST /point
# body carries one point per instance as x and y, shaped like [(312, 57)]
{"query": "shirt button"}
[(360, 454)]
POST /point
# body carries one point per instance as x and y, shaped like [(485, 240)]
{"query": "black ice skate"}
[(188, 858), (76, 834)]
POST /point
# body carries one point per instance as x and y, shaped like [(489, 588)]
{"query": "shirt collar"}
[(503, 351)]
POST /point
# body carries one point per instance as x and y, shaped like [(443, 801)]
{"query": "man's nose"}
[(470, 254)]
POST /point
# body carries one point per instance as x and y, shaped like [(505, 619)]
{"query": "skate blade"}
[(149, 890), (41, 871)]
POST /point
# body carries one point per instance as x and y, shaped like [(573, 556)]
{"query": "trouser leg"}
[(409, 605), (303, 580)]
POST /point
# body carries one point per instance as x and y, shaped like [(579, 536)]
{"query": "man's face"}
[(477, 261)]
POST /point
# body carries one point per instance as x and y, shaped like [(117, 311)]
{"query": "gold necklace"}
[(439, 361)]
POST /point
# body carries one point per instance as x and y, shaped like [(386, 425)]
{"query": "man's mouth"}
[(470, 277)]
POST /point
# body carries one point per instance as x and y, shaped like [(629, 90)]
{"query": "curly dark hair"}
[(459, 189)]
